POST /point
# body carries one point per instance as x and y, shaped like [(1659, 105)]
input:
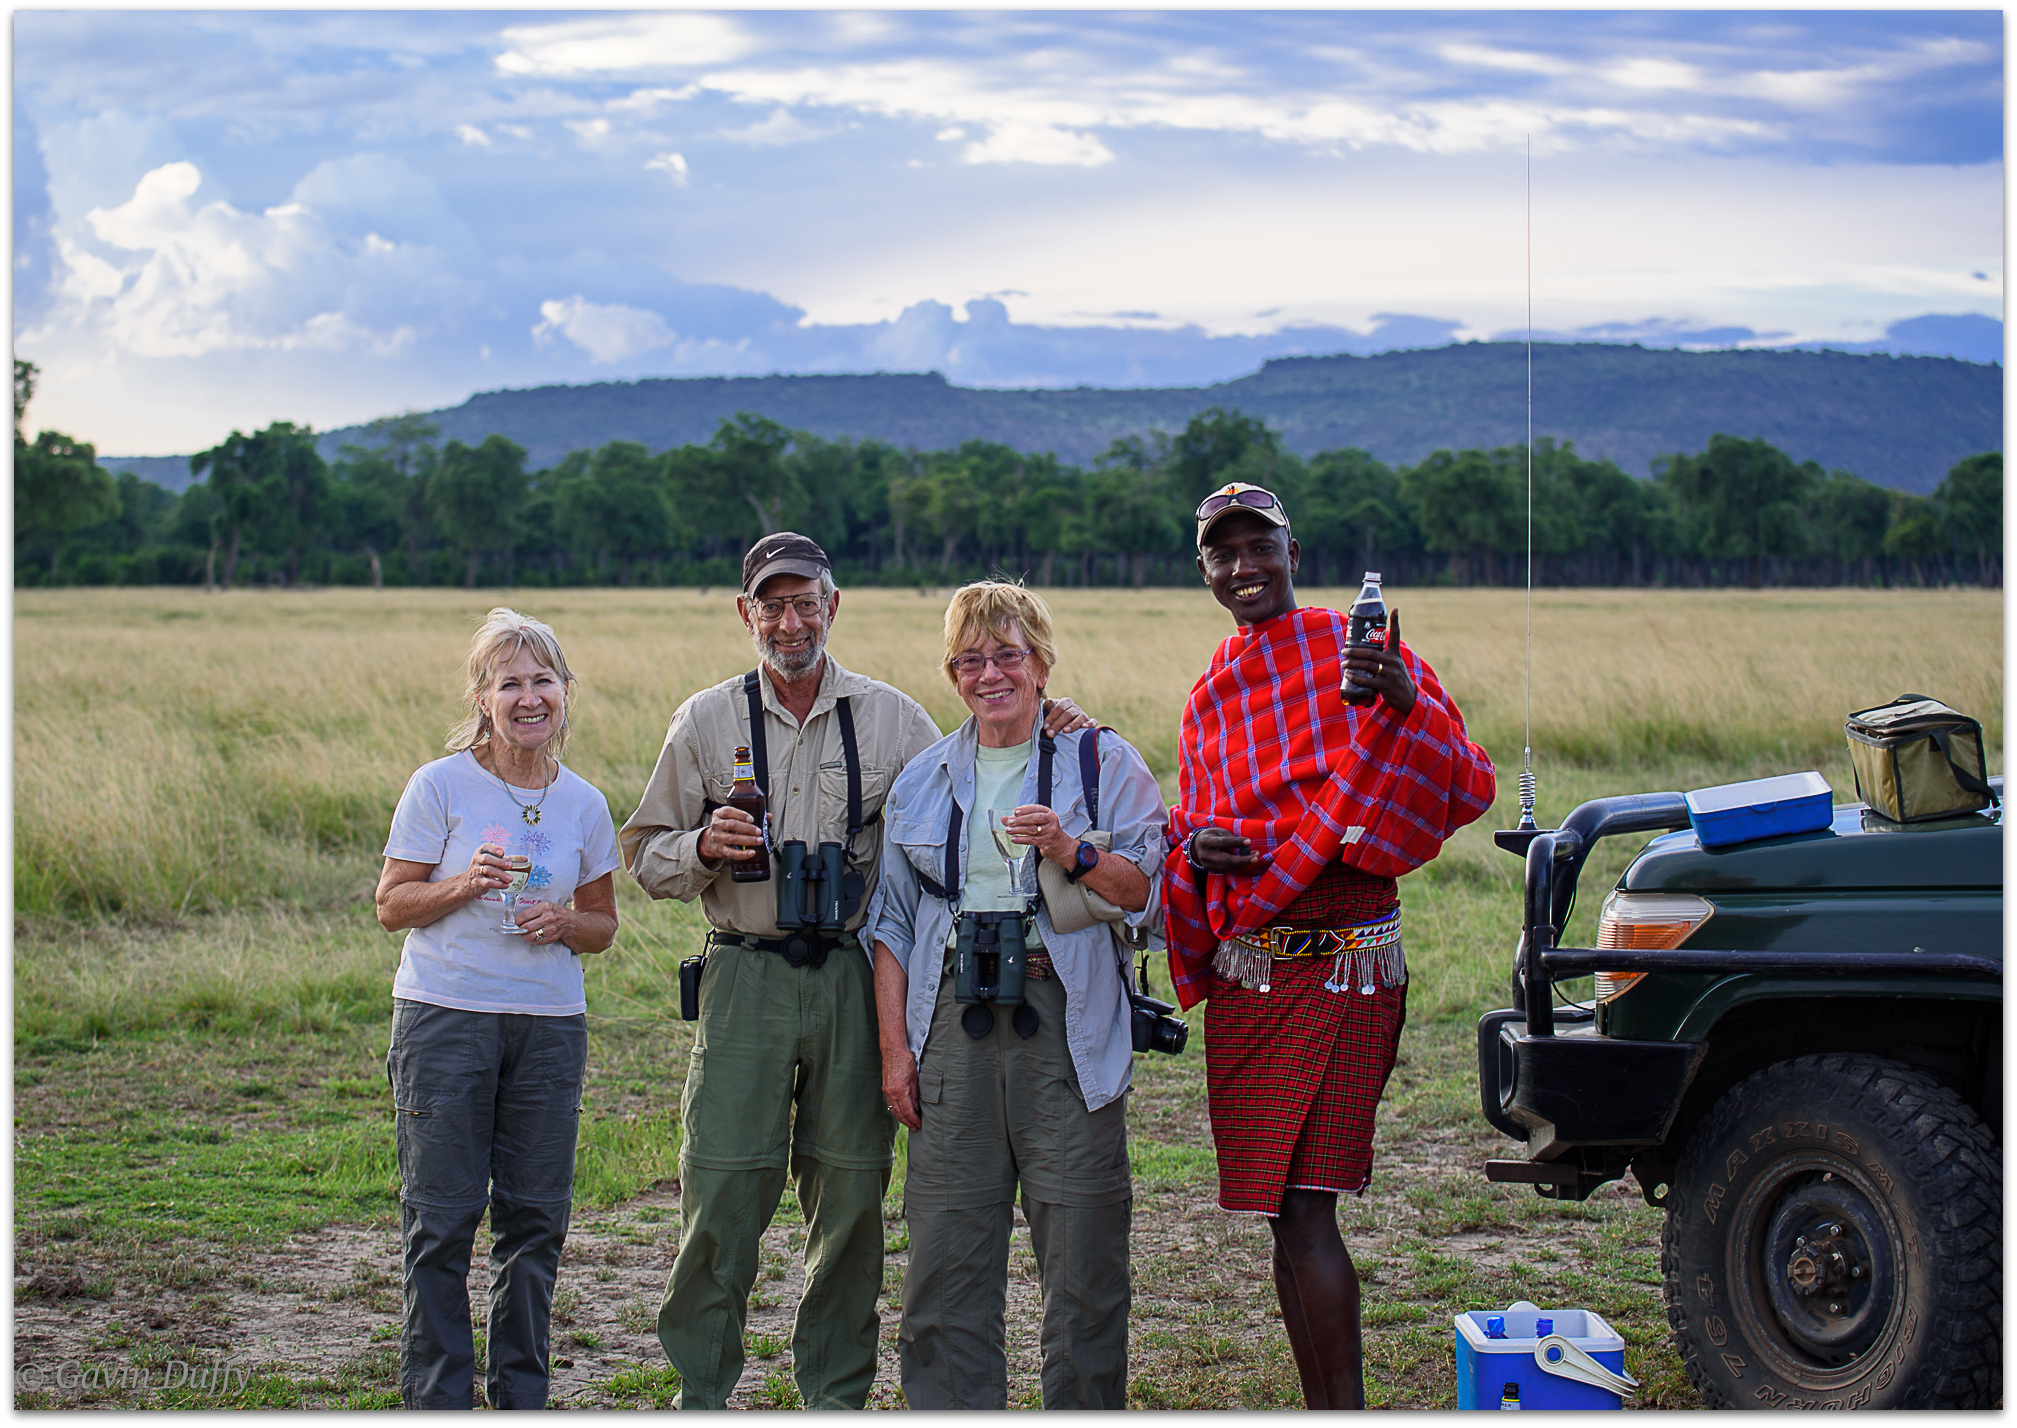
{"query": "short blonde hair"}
[(502, 635), (989, 607)]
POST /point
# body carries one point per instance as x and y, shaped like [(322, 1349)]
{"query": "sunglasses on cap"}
[(1253, 498)]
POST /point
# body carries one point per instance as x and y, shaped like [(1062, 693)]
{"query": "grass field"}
[(203, 1160)]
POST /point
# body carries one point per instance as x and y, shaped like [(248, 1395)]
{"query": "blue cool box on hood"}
[(1761, 808)]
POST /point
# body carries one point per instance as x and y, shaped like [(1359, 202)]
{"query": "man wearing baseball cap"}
[(786, 1072), (1296, 813)]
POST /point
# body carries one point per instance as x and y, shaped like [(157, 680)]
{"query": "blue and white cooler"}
[(1578, 1363)]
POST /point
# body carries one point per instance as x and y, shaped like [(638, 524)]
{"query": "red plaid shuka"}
[(1271, 751), (1295, 1076)]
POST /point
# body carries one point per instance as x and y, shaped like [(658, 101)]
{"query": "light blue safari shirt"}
[(917, 927)]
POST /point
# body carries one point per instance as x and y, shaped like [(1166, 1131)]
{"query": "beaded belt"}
[(1369, 955)]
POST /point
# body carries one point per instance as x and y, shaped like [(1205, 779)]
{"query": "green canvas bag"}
[(1917, 759)]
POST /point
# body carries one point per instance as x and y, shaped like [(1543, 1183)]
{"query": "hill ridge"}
[(1899, 421)]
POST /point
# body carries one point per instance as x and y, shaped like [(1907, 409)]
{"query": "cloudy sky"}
[(228, 218)]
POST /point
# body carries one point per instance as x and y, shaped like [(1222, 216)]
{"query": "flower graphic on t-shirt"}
[(536, 842), (540, 878), (496, 833)]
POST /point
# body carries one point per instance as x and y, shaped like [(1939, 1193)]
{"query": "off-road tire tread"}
[(1952, 1155)]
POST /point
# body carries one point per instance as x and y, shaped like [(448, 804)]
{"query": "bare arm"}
[(586, 928), (405, 898), (1114, 877), (899, 1067)]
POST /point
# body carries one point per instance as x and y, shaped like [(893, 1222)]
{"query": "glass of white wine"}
[(1010, 850), (521, 869)]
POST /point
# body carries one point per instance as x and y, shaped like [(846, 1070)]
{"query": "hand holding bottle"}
[(1376, 672)]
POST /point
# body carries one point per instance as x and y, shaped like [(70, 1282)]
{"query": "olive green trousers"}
[(1001, 1113), (786, 1077)]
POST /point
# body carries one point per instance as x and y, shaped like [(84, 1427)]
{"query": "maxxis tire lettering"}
[(1925, 1176)]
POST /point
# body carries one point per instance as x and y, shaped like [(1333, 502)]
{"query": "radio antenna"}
[(1527, 748)]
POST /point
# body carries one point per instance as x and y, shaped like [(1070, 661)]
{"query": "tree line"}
[(400, 507)]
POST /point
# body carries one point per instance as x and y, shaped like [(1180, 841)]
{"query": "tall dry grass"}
[(176, 752)]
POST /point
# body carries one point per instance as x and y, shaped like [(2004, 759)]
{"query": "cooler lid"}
[(1759, 793)]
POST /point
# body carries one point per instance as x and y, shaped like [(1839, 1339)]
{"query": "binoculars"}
[(988, 958), (814, 892)]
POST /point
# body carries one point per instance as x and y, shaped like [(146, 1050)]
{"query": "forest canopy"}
[(402, 507)]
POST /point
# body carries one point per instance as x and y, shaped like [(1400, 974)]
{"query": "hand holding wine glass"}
[(1004, 840), (519, 868)]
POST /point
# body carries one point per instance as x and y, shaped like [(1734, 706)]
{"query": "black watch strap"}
[(1082, 863)]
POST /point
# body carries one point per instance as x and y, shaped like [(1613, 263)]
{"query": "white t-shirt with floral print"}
[(449, 808)]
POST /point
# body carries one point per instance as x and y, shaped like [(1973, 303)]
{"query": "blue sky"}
[(228, 218)]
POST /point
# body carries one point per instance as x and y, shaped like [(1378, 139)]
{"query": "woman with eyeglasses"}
[(1009, 1091)]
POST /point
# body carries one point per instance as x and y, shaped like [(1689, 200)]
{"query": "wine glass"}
[(521, 870), (1010, 850)]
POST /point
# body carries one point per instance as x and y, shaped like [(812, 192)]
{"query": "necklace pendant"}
[(530, 815)]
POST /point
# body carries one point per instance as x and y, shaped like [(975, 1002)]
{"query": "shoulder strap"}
[(759, 752), (1942, 740), (853, 752), (1046, 752), (1089, 772)]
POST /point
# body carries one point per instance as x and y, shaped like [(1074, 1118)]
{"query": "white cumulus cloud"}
[(1021, 143), (607, 332), (623, 44), (673, 166), (171, 277)]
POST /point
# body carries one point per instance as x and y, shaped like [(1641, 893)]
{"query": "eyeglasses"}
[(809, 607), (1253, 500), (1007, 661)]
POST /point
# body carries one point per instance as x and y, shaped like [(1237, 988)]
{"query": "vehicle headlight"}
[(1645, 920)]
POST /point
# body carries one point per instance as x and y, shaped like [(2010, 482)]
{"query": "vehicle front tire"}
[(1834, 1239)]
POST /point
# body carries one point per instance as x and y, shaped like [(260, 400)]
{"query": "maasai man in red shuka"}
[(1297, 813)]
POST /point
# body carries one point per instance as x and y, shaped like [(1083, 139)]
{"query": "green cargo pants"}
[(1000, 1112), (786, 1075)]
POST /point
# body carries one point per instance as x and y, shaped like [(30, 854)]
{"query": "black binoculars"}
[(813, 893), (988, 961)]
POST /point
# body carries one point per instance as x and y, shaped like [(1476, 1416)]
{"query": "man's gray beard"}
[(798, 666)]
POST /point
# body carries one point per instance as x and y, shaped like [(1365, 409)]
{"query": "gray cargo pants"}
[(1001, 1113), (488, 1105)]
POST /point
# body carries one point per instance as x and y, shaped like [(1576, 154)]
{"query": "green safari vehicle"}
[(1796, 1047)]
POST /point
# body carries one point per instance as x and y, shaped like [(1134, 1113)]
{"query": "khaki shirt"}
[(807, 793)]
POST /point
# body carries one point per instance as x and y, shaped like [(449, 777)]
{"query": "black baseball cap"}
[(784, 553)]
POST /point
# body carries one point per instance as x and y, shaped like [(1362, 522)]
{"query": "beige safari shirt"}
[(807, 794)]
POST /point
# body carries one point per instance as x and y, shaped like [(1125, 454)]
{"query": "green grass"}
[(655, 1386), (202, 1003), (195, 1182)]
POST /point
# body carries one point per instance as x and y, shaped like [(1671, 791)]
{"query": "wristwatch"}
[(1088, 858)]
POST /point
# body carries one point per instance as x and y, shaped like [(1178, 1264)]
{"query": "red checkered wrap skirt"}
[(1295, 1076)]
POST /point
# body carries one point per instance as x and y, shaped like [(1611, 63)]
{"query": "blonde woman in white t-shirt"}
[(489, 1025)]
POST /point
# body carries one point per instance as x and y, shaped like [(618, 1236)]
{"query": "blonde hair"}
[(989, 607), (502, 635)]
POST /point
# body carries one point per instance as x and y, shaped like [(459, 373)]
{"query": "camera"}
[(1154, 1028)]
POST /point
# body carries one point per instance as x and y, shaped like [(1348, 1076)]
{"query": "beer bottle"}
[(746, 796), (1365, 628)]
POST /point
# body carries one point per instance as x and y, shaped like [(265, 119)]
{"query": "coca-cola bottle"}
[(1365, 628), (746, 796)]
